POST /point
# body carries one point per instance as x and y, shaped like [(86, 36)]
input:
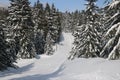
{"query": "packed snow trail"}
[(44, 67)]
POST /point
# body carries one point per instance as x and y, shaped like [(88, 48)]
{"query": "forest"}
[(29, 31)]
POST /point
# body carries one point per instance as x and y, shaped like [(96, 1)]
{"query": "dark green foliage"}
[(6, 57)]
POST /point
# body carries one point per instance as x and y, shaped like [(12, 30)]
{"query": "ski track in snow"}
[(57, 67), (43, 68)]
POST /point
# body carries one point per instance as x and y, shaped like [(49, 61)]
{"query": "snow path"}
[(44, 68)]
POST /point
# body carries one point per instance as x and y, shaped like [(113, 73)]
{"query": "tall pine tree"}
[(39, 21), (6, 57), (111, 48), (22, 27), (86, 43), (53, 28)]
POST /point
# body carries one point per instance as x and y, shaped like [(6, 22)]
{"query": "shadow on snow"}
[(42, 77), (16, 71), (61, 38)]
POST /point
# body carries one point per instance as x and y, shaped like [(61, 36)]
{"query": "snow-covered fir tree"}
[(56, 24), (6, 57), (87, 37), (39, 21), (67, 21), (22, 27), (70, 20), (77, 19), (47, 23), (53, 28), (111, 47), (49, 40)]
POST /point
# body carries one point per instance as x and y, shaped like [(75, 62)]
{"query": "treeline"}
[(26, 31)]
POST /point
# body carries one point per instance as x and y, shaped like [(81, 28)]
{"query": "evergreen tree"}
[(47, 9), (6, 57), (76, 19), (67, 21), (47, 18), (56, 26), (39, 18), (48, 37), (53, 29), (87, 37), (22, 28), (111, 48)]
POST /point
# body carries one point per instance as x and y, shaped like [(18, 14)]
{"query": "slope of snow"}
[(44, 67), (90, 69), (57, 67)]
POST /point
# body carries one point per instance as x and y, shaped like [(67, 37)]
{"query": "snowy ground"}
[(57, 67)]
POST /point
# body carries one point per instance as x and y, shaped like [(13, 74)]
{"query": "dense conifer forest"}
[(28, 31)]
